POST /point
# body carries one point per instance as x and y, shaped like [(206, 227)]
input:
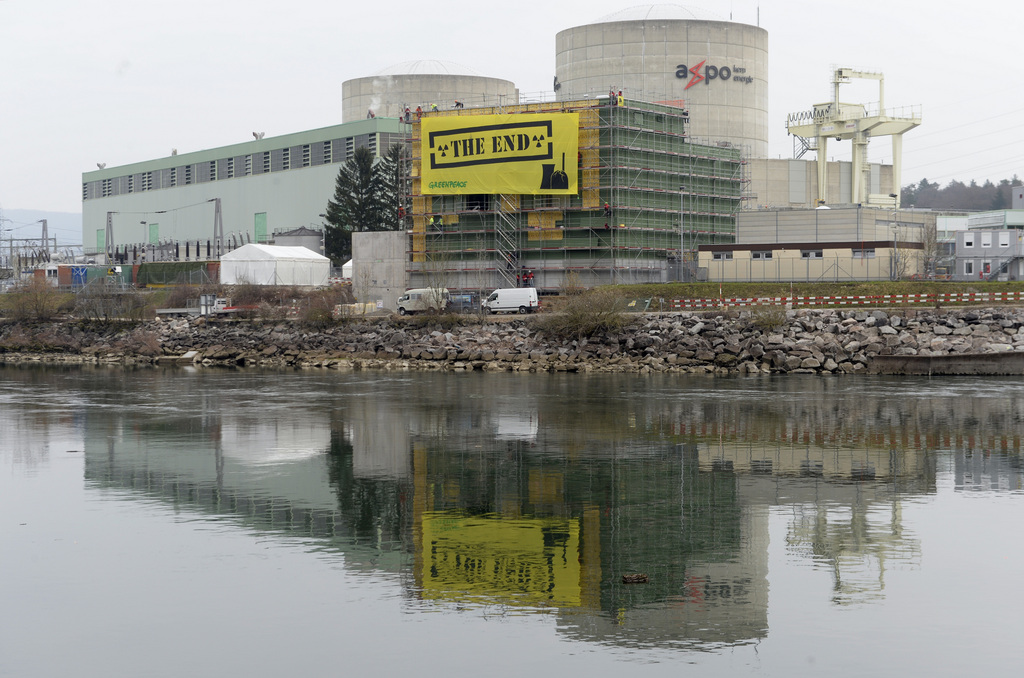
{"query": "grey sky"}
[(121, 81)]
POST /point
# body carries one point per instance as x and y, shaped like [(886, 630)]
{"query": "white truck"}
[(422, 300), (512, 300)]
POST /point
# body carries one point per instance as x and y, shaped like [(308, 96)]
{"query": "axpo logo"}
[(710, 73)]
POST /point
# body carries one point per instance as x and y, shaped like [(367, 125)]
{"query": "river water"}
[(168, 522)]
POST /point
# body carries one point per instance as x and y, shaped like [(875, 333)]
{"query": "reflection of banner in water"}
[(528, 153), (524, 561)]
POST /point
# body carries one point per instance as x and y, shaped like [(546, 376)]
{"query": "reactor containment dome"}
[(424, 84), (716, 69)]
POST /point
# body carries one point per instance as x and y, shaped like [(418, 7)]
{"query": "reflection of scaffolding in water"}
[(637, 170)]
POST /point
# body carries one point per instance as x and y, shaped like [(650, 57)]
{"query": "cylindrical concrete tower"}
[(422, 83), (716, 69)]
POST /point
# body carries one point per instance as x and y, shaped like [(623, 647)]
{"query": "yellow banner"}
[(525, 561), (526, 153)]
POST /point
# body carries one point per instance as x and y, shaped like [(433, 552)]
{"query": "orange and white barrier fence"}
[(866, 300)]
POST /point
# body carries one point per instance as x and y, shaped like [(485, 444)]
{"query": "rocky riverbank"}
[(805, 341)]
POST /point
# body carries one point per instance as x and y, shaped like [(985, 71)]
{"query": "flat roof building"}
[(260, 186)]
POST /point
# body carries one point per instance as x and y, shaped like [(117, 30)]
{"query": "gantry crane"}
[(842, 121)]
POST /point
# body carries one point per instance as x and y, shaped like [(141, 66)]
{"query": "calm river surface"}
[(170, 522)]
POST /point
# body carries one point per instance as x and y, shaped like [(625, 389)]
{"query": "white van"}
[(512, 300), (426, 299)]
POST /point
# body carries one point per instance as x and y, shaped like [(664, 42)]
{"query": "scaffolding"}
[(648, 197)]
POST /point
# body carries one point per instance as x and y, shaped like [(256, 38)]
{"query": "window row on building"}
[(984, 239), (766, 255), (230, 167)]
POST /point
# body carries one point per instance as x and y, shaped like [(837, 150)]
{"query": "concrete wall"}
[(850, 224), (378, 267), (960, 364), (643, 58), (784, 182), (314, 242)]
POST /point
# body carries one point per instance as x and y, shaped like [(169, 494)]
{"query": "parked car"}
[(425, 299), (512, 300)]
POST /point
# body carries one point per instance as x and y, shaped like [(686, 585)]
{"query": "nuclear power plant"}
[(669, 107)]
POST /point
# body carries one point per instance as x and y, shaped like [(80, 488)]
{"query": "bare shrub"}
[(585, 315), (768, 318), (265, 311), (318, 312), (102, 301), (441, 321), (318, 305), (572, 285), (36, 299), (182, 297), (254, 295)]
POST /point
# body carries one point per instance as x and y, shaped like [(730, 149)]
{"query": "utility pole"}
[(218, 227), (897, 273)]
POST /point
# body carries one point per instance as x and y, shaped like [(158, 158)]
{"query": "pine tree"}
[(355, 206), (389, 178), (366, 198)]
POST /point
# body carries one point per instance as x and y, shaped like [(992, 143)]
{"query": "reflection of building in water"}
[(511, 491), (31, 432), (287, 474), (845, 504), (380, 443), (857, 543), (525, 527), (985, 470)]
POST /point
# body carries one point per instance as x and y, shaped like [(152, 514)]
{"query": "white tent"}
[(346, 270), (274, 265)]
